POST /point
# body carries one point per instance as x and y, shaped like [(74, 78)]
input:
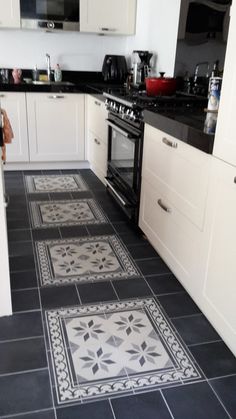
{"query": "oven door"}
[(124, 162), (49, 10)]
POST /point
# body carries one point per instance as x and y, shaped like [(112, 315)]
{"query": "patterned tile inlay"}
[(100, 351), (66, 213), (84, 259), (55, 183)]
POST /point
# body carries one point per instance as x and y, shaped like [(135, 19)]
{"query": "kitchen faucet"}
[(48, 59)]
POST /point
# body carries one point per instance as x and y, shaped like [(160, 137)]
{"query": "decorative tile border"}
[(46, 214), (106, 350), (54, 183), (84, 259)]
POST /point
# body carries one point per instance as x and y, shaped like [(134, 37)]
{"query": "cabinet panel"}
[(10, 13), (96, 117), (97, 155), (225, 140), (56, 127), (219, 249), (180, 172), (15, 106), (171, 234), (112, 17)]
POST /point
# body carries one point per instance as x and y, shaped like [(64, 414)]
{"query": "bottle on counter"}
[(57, 74), (35, 73)]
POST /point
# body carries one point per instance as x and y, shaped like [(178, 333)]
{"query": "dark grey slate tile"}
[(18, 224), (19, 235), (195, 401), (164, 284), (177, 305), (131, 288), (97, 410), (24, 279), (141, 406), (97, 230), (153, 266), (20, 326), (22, 355), (52, 297), (25, 300), (96, 292), (215, 359), (226, 390), (21, 248), (46, 234), (46, 414), (195, 329), (21, 263), (75, 231), (142, 251), (27, 392)]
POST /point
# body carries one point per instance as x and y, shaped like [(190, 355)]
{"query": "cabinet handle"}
[(235, 179), (96, 141), (163, 206), (97, 103), (2, 95), (107, 30), (169, 142), (56, 97)]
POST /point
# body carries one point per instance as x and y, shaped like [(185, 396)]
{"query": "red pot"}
[(156, 86)]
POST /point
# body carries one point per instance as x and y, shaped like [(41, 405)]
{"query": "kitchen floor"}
[(101, 327)]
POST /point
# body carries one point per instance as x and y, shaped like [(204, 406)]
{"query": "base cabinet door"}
[(15, 106), (56, 127), (9, 13), (97, 156), (219, 252), (113, 17)]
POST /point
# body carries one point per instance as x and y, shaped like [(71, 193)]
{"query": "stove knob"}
[(107, 103)]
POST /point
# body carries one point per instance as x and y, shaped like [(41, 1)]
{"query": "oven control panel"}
[(128, 113)]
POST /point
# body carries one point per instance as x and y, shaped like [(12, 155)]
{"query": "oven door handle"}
[(120, 130), (109, 185)]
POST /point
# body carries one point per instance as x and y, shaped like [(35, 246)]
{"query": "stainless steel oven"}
[(50, 14), (125, 144)]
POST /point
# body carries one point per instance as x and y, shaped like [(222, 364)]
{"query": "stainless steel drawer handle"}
[(56, 97), (97, 103), (2, 95), (163, 206), (96, 141), (107, 29), (235, 179), (169, 142)]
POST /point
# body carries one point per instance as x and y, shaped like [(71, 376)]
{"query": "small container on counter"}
[(57, 74), (214, 93), (16, 74), (210, 123)]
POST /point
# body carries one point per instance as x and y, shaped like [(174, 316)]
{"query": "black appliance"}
[(144, 66), (50, 14), (114, 68)]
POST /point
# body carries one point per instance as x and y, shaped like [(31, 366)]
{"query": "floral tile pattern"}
[(100, 351), (84, 259), (65, 213), (54, 183)]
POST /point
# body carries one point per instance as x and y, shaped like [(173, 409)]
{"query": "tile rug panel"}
[(83, 259), (105, 350), (46, 214), (55, 183)]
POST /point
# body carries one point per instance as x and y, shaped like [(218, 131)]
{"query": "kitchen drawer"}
[(96, 117), (97, 155), (174, 237), (180, 172)]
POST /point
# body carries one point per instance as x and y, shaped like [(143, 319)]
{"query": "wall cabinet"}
[(10, 14), (56, 127), (97, 136), (225, 141), (15, 106), (219, 252), (113, 17)]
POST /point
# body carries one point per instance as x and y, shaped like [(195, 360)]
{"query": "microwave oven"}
[(50, 14), (204, 19)]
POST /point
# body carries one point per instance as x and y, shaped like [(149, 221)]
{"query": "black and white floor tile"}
[(114, 348), (66, 213), (176, 342), (84, 259), (54, 183)]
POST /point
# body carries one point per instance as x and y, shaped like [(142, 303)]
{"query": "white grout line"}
[(204, 343), (218, 398), (78, 294), (114, 416), (15, 373), (168, 407), (21, 339), (17, 415)]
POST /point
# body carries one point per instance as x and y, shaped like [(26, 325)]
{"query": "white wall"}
[(157, 23)]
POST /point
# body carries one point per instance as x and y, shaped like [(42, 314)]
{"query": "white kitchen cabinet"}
[(56, 127), (113, 17), (225, 139), (15, 105), (219, 252), (9, 13), (173, 201), (97, 136)]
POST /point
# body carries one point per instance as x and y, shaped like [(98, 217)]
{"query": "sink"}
[(53, 83)]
